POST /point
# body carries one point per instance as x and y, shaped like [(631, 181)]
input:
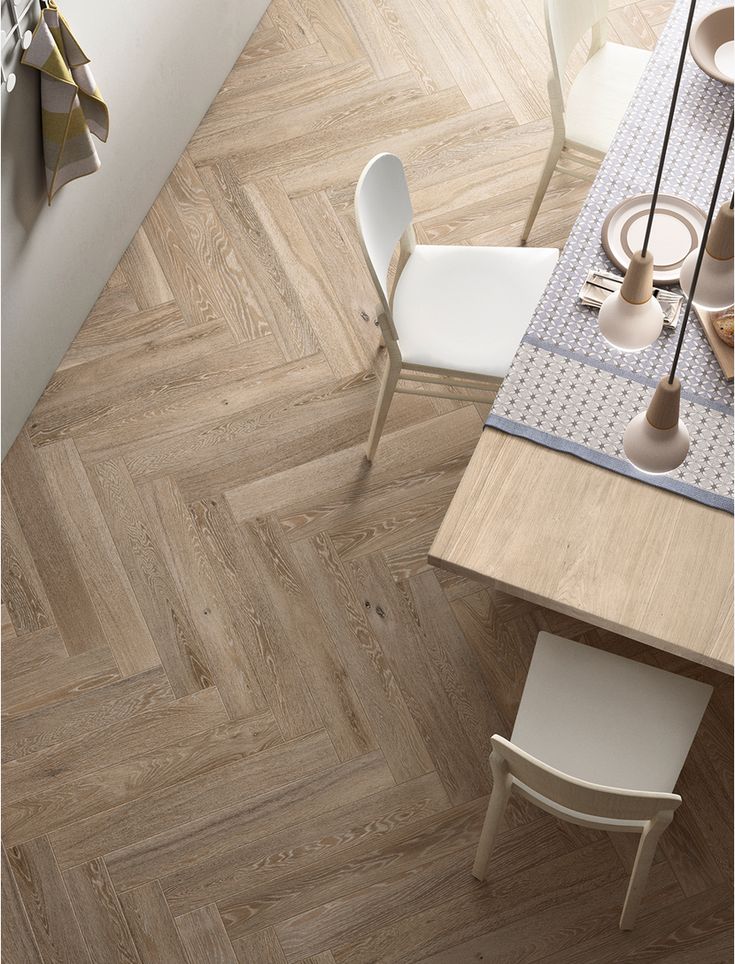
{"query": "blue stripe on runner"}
[(640, 379)]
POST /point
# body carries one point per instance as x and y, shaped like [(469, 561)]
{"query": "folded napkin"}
[(72, 108)]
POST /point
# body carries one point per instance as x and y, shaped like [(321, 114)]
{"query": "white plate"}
[(677, 229)]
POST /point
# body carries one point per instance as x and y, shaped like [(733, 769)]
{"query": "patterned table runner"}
[(567, 389)]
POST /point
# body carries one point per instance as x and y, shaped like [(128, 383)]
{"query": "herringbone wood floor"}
[(244, 721)]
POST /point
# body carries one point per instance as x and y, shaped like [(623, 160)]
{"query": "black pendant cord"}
[(702, 247), (669, 122)]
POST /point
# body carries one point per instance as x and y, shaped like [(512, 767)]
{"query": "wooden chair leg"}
[(551, 160), (387, 390), (642, 865), (502, 783)]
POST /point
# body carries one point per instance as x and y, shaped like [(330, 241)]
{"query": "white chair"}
[(586, 119), (456, 314), (598, 741)]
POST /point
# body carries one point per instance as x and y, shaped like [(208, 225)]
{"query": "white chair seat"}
[(466, 308), (600, 95), (605, 719)]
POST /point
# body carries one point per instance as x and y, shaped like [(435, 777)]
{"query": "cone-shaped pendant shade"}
[(656, 441), (632, 319), (715, 282)]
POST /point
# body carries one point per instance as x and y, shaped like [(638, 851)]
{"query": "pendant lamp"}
[(656, 440)]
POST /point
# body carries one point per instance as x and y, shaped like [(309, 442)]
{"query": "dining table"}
[(549, 509)]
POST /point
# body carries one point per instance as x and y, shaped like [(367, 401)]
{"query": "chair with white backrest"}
[(456, 313), (598, 741), (587, 116)]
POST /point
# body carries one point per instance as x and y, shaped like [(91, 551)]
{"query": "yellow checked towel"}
[(72, 108)]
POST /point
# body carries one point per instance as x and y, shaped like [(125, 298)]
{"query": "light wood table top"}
[(579, 539)]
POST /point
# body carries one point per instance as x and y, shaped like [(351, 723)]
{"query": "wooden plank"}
[(349, 918), (125, 630), (284, 269), (165, 610), (224, 645), (670, 542), (44, 895), (259, 948), (375, 37), (364, 659), (257, 618), (110, 744), (447, 140), (204, 937), (50, 549), (178, 806), (112, 786), (23, 654), (334, 30), (372, 865), (119, 334), (18, 943), (306, 505), (416, 42), (469, 70), (85, 713), (334, 694), (352, 819), (456, 664), (99, 914), (522, 925), (159, 404), (143, 273), (151, 925), (184, 220), (61, 678), (304, 76), (24, 597), (336, 122), (345, 269), (446, 741), (185, 857)]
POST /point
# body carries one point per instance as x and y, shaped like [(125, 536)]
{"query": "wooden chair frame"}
[(565, 156), (481, 388), (591, 805)]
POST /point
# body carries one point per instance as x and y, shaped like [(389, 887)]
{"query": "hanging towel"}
[(72, 108)]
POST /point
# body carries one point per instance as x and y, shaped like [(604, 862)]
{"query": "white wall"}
[(158, 64)]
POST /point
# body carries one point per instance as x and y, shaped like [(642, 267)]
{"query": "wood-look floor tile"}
[(347, 820), (295, 768), (98, 912), (18, 943), (169, 815), (152, 926), (109, 744), (89, 711), (112, 786), (204, 937), (50, 914)]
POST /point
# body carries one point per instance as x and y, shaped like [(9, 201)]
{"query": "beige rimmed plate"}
[(677, 229), (712, 43)]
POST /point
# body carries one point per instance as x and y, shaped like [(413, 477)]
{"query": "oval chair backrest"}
[(383, 212), (567, 21), (610, 803)]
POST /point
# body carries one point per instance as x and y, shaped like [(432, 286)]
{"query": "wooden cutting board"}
[(723, 352)]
